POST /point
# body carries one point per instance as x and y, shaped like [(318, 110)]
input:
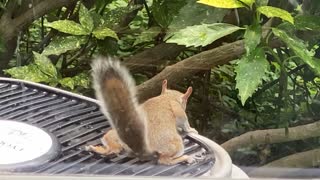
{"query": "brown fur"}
[(143, 129)]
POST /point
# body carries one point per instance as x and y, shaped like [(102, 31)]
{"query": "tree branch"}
[(289, 166), (27, 17), (152, 57), (303, 159), (188, 67), (271, 136)]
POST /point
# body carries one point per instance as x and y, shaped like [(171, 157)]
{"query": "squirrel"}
[(148, 130)]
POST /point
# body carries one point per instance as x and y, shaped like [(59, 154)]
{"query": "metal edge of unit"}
[(223, 163), (50, 88)]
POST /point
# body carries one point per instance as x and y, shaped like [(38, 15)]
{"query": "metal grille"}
[(77, 122)]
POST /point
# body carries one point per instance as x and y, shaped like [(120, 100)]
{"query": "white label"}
[(20, 142)]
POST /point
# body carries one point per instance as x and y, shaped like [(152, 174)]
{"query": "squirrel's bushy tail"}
[(115, 90)]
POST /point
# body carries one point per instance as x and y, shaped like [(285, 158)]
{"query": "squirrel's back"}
[(115, 89)]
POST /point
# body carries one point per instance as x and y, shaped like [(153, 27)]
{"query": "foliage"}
[(274, 83), (202, 35), (250, 71)]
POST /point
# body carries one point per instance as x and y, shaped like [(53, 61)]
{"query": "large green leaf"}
[(202, 35), (63, 44), (69, 27), (85, 19), (252, 37), (195, 14), (29, 73), (230, 4), (307, 22), (250, 71), (163, 11), (270, 11), (299, 48), (103, 32), (45, 65)]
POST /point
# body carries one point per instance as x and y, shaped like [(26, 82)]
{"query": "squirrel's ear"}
[(187, 94), (164, 86)]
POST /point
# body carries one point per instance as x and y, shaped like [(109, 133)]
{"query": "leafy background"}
[(254, 64)]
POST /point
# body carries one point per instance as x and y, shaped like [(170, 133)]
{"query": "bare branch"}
[(271, 136), (153, 56), (290, 166)]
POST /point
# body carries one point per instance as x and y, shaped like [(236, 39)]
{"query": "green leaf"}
[(262, 2), (69, 27), (248, 2), (270, 11), (63, 44), (29, 73), (250, 72), (202, 35), (252, 37), (85, 18), (45, 65), (307, 22), (103, 32), (195, 14), (164, 11), (299, 48), (67, 82), (230, 4), (81, 79), (147, 36)]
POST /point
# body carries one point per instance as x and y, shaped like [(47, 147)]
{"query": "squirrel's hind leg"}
[(175, 160), (111, 144)]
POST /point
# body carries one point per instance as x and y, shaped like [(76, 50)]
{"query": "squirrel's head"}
[(182, 98)]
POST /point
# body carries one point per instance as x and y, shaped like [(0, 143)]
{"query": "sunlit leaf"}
[(78, 80), (270, 11), (202, 35), (250, 72), (252, 37), (63, 44), (299, 48), (67, 82), (82, 80), (45, 65), (103, 32), (69, 27), (29, 73), (230, 4), (85, 18)]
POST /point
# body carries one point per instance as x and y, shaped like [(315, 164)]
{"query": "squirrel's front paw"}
[(89, 148), (193, 130), (191, 160)]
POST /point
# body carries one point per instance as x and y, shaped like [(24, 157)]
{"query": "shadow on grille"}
[(77, 122)]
